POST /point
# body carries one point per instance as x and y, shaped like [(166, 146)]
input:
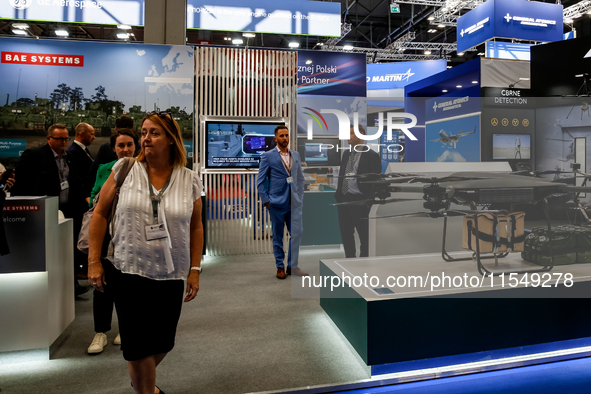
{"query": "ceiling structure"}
[(423, 30)]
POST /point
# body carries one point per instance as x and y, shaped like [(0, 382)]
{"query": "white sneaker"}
[(117, 340), (98, 343)]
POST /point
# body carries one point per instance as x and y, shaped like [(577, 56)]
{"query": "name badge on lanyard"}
[(289, 180), (64, 185), (156, 231)]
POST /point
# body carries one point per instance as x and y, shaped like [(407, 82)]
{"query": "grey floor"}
[(244, 333)]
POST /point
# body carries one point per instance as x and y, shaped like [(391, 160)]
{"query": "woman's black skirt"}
[(148, 312)]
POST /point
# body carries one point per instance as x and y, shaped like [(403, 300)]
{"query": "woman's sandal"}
[(159, 391)]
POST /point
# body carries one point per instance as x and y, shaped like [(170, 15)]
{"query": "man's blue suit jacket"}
[(272, 180)]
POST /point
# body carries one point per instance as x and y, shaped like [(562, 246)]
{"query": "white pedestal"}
[(37, 297)]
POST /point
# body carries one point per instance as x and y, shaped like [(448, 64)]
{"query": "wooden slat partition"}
[(246, 83)]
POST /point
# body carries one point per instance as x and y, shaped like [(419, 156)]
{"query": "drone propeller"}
[(441, 214), (372, 202)]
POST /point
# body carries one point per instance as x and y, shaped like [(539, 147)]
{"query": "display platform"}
[(37, 277), (389, 324)]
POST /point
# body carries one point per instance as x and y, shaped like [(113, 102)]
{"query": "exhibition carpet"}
[(572, 376)]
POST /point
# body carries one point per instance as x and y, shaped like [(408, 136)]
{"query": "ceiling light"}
[(480, 54), (432, 31), (62, 33), (348, 47), (431, 18), (458, 86), (122, 36), (427, 52), (249, 35), (294, 44), (20, 32), (309, 61), (441, 26), (588, 13), (461, 54), (227, 39), (238, 41), (444, 91), (568, 20), (20, 26), (124, 27), (474, 81), (321, 43), (448, 66), (524, 79)]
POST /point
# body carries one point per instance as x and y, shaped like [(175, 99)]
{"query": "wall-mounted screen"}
[(238, 144), (319, 152), (511, 147)]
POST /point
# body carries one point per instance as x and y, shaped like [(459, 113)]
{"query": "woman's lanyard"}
[(157, 198)]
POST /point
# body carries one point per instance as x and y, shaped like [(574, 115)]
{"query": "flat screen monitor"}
[(238, 144), (511, 147), (320, 152)]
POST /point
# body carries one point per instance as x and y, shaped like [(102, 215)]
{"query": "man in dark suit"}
[(359, 160), (47, 170), (280, 184), (81, 160)]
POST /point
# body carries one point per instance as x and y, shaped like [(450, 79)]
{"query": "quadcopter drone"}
[(473, 190)]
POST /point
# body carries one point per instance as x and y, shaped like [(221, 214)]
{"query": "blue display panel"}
[(520, 19), (476, 26), (398, 75), (266, 16), (238, 144), (331, 73), (458, 103), (130, 12)]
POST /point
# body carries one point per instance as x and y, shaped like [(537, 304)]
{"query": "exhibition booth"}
[(476, 122)]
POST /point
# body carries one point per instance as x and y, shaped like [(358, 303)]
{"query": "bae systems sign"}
[(398, 75), (42, 59), (520, 19)]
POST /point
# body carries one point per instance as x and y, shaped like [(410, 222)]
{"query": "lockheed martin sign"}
[(398, 75), (521, 19)]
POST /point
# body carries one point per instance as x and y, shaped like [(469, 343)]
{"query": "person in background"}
[(105, 154), (124, 144), (81, 160), (355, 216), (48, 171), (148, 266), (280, 183)]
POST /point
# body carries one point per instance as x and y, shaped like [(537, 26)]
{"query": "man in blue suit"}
[(280, 184)]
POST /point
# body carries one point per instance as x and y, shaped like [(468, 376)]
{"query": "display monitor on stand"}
[(237, 143)]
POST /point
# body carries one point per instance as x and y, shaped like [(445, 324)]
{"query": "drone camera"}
[(575, 166)]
